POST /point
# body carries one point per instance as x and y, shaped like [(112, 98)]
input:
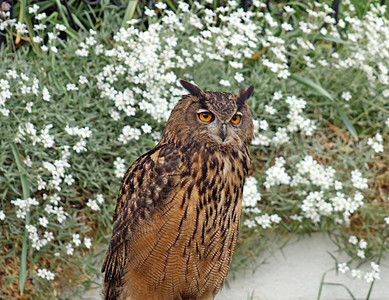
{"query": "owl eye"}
[(206, 116), (236, 119)]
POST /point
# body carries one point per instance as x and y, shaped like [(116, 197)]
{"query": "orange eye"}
[(205, 116), (236, 119)]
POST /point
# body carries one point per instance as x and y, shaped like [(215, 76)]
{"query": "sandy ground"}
[(295, 273)]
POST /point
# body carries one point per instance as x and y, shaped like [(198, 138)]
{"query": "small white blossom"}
[(146, 128), (225, 83), (46, 274), (43, 221), (88, 242), (251, 196), (69, 249), (358, 181), (76, 239), (343, 268), (93, 205), (353, 240)]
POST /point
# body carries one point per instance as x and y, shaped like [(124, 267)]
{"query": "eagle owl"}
[(178, 211)]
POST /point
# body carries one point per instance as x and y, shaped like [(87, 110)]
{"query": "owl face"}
[(219, 119)]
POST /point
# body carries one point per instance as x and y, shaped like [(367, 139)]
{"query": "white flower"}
[(361, 253), (249, 223), (276, 174), (343, 268), (93, 205), (281, 137), (387, 220), (69, 180), (161, 5), (270, 109), (33, 9), (82, 80), (251, 196), (2, 215), (353, 240), (225, 82), (236, 65), (80, 146), (356, 273), (338, 185), (76, 239), (41, 16), (277, 95), (43, 221), (87, 242), (71, 87), (69, 249), (46, 274), (362, 244), (358, 181), (376, 143), (45, 94), (286, 26), (149, 12), (275, 218), (261, 139), (239, 77), (263, 125), (264, 221), (60, 27), (120, 167), (146, 128)]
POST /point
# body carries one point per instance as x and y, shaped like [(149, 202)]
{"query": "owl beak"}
[(223, 132)]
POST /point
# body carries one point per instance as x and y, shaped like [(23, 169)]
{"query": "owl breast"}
[(189, 242)]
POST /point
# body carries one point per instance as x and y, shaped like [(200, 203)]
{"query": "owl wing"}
[(144, 190)]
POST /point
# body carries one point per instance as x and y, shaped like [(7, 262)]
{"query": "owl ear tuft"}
[(244, 94), (192, 89)]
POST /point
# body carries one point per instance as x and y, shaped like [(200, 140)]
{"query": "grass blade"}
[(132, 4), (22, 12), (26, 195), (344, 286), (322, 92)]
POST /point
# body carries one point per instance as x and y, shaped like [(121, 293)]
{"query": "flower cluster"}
[(45, 274), (83, 133), (376, 143), (94, 203), (23, 206), (344, 268), (251, 196), (276, 174)]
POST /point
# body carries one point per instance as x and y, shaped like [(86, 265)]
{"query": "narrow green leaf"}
[(171, 5), (31, 33), (22, 14), (131, 6), (346, 121), (309, 83), (322, 92), (62, 13), (26, 195), (214, 4)]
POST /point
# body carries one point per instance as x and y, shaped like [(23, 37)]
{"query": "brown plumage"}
[(177, 215)]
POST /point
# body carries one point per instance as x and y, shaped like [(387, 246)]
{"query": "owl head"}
[(218, 119)]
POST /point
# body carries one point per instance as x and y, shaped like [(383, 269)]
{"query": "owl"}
[(178, 211)]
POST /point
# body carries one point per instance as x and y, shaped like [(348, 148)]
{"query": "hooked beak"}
[(223, 132)]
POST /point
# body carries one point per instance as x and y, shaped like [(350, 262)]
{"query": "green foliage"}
[(77, 111)]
